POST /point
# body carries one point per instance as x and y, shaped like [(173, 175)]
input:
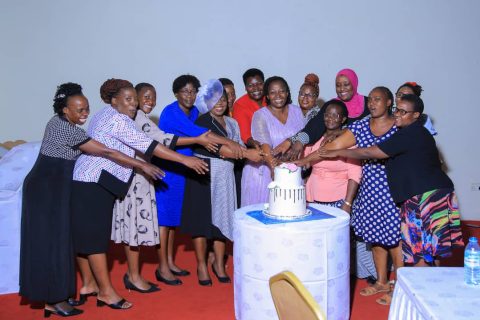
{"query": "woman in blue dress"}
[(375, 217), (178, 118)]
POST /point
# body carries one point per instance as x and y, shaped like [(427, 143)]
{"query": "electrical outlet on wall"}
[(475, 186)]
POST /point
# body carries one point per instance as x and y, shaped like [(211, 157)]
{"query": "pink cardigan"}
[(329, 179)]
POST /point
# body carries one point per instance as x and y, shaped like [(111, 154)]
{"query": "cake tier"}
[(287, 178), (287, 202)]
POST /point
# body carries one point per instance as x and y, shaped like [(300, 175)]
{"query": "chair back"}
[(292, 300)]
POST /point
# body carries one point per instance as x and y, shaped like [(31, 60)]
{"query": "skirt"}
[(47, 263), (430, 226), (92, 208), (135, 216)]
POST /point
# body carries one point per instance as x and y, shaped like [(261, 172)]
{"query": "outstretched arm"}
[(372, 152)]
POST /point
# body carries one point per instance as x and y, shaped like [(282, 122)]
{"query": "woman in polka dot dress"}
[(375, 218)]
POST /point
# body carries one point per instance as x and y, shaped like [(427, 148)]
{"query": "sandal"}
[(374, 289), (386, 299)]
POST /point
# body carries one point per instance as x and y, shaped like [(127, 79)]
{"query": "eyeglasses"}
[(307, 95), (188, 92), (401, 112), (399, 94), (334, 116)]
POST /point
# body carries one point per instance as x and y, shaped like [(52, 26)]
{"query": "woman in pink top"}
[(332, 182)]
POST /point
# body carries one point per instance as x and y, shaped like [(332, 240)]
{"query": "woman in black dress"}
[(47, 267)]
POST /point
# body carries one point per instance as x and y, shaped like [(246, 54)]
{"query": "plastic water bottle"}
[(472, 262)]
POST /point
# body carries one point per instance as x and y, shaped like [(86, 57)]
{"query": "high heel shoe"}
[(204, 283), (174, 282), (130, 286), (59, 311), (221, 279), (82, 300), (117, 305)]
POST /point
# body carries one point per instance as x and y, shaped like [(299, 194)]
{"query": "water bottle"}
[(472, 262)]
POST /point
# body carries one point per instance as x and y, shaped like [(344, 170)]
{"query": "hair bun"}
[(312, 78)]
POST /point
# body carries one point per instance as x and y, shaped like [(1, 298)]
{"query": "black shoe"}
[(116, 305), (221, 279), (59, 311), (175, 282), (205, 283), (82, 300), (130, 286), (181, 273)]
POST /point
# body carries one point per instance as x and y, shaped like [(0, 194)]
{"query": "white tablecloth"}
[(14, 166), (317, 252), (434, 293)]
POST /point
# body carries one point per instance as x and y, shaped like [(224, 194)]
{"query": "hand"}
[(282, 148), (252, 143), (196, 164), (237, 150), (345, 207), (302, 162), (253, 155), (295, 151), (271, 161), (204, 140), (153, 172)]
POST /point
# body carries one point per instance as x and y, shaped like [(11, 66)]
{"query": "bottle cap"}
[(472, 239)]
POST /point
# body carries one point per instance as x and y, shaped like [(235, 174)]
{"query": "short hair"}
[(416, 102), (65, 91), (270, 81), (253, 72), (226, 82), (112, 87), (388, 94), (143, 85), (339, 103), (181, 81), (416, 88), (312, 80)]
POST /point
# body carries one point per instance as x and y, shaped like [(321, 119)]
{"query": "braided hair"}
[(312, 80), (65, 91), (112, 87)]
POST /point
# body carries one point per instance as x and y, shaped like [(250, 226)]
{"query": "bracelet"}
[(347, 203)]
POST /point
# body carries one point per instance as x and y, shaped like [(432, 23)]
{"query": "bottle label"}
[(472, 260)]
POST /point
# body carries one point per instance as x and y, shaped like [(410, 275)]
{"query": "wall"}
[(435, 43)]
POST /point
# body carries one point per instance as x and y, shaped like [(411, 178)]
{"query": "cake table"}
[(316, 251)]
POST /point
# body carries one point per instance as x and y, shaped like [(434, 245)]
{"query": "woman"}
[(332, 182), (210, 200), (270, 126), (135, 216), (46, 240), (178, 118), (416, 89), (308, 95), (98, 182), (346, 85), (425, 194), (375, 218)]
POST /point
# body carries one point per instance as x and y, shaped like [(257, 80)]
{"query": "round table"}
[(316, 251)]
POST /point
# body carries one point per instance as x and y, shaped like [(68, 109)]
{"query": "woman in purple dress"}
[(270, 126)]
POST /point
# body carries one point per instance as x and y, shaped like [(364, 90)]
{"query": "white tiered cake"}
[(287, 193)]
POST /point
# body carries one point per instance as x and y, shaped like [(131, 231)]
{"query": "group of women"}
[(87, 188)]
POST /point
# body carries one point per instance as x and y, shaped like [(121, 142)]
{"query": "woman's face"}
[(333, 117), (404, 114), (401, 92), (277, 94), (186, 96), (219, 108), (378, 103), (344, 88), (307, 97), (126, 102), (77, 110), (147, 99), (231, 95), (254, 88)]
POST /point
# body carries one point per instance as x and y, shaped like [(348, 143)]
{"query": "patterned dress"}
[(47, 265), (267, 129), (375, 217), (135, 216)]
